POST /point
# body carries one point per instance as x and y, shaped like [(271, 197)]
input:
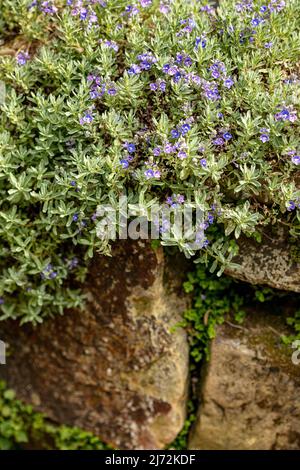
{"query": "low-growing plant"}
[(171, 100), (21, 426)]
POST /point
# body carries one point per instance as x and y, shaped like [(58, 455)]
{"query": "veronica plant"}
[(158, 97)]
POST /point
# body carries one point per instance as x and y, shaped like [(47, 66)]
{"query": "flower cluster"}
[(22, 57), (168, 101), (287, 113), (98, 87), (145, 62)]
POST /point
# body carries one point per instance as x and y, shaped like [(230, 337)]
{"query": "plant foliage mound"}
[(171, 101)]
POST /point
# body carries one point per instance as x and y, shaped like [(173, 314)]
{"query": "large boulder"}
[(274, 262), (117, 368), (250, 389)]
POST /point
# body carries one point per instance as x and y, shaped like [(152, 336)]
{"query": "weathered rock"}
[(250, 391), (273, 262), (115, 368)]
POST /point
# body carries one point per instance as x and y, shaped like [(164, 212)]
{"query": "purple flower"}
[(75, 218), (145, 3), (227, 136), (48, 7), (286, 114), (73, 183), (124, 163), (153, 86), (185, 128), (200, 41), (1, 301), (264, 138), (203, 162), (182, 154), (32, 4), (73, 263), (188, 61), (162, 85), (210, 218), (256, 21), (168, 148), (87, 118), (145, 65), (83, 13), (134, 70), (163, 8), (244, 5), (131, 148), (149, 173), (291, 206), (218, 141), (276, 5), (228, 82), (268, 45), (211, 91), (296, 159), (175, 133), (48, 272), (22, 58)]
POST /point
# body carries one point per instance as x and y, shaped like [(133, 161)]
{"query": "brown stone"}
[(250, 390), (115, 368), (274, 262)]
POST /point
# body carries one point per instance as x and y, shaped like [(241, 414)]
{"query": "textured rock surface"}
[(274, 262), (115, 368), (250, 393)]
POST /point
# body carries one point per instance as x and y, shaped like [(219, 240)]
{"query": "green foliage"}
[(55, 169), (181, 441), (21, 425), (213, 299)]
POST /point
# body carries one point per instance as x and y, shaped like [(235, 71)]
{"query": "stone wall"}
[(120, 367), (115, 368)]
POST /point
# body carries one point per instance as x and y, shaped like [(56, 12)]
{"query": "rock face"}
[(250, 391), (273, 262), (115, 368)]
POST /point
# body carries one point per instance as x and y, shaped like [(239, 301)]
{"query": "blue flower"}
[(182, 154), (203, 162), (175, 133), (227, 136), (124, 163), (145, 65), (130, 147), (296, 159), (255, 21), (228, 82), (22, 58), (86, 119), (185, 128), (264, 138), (291, 206)]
